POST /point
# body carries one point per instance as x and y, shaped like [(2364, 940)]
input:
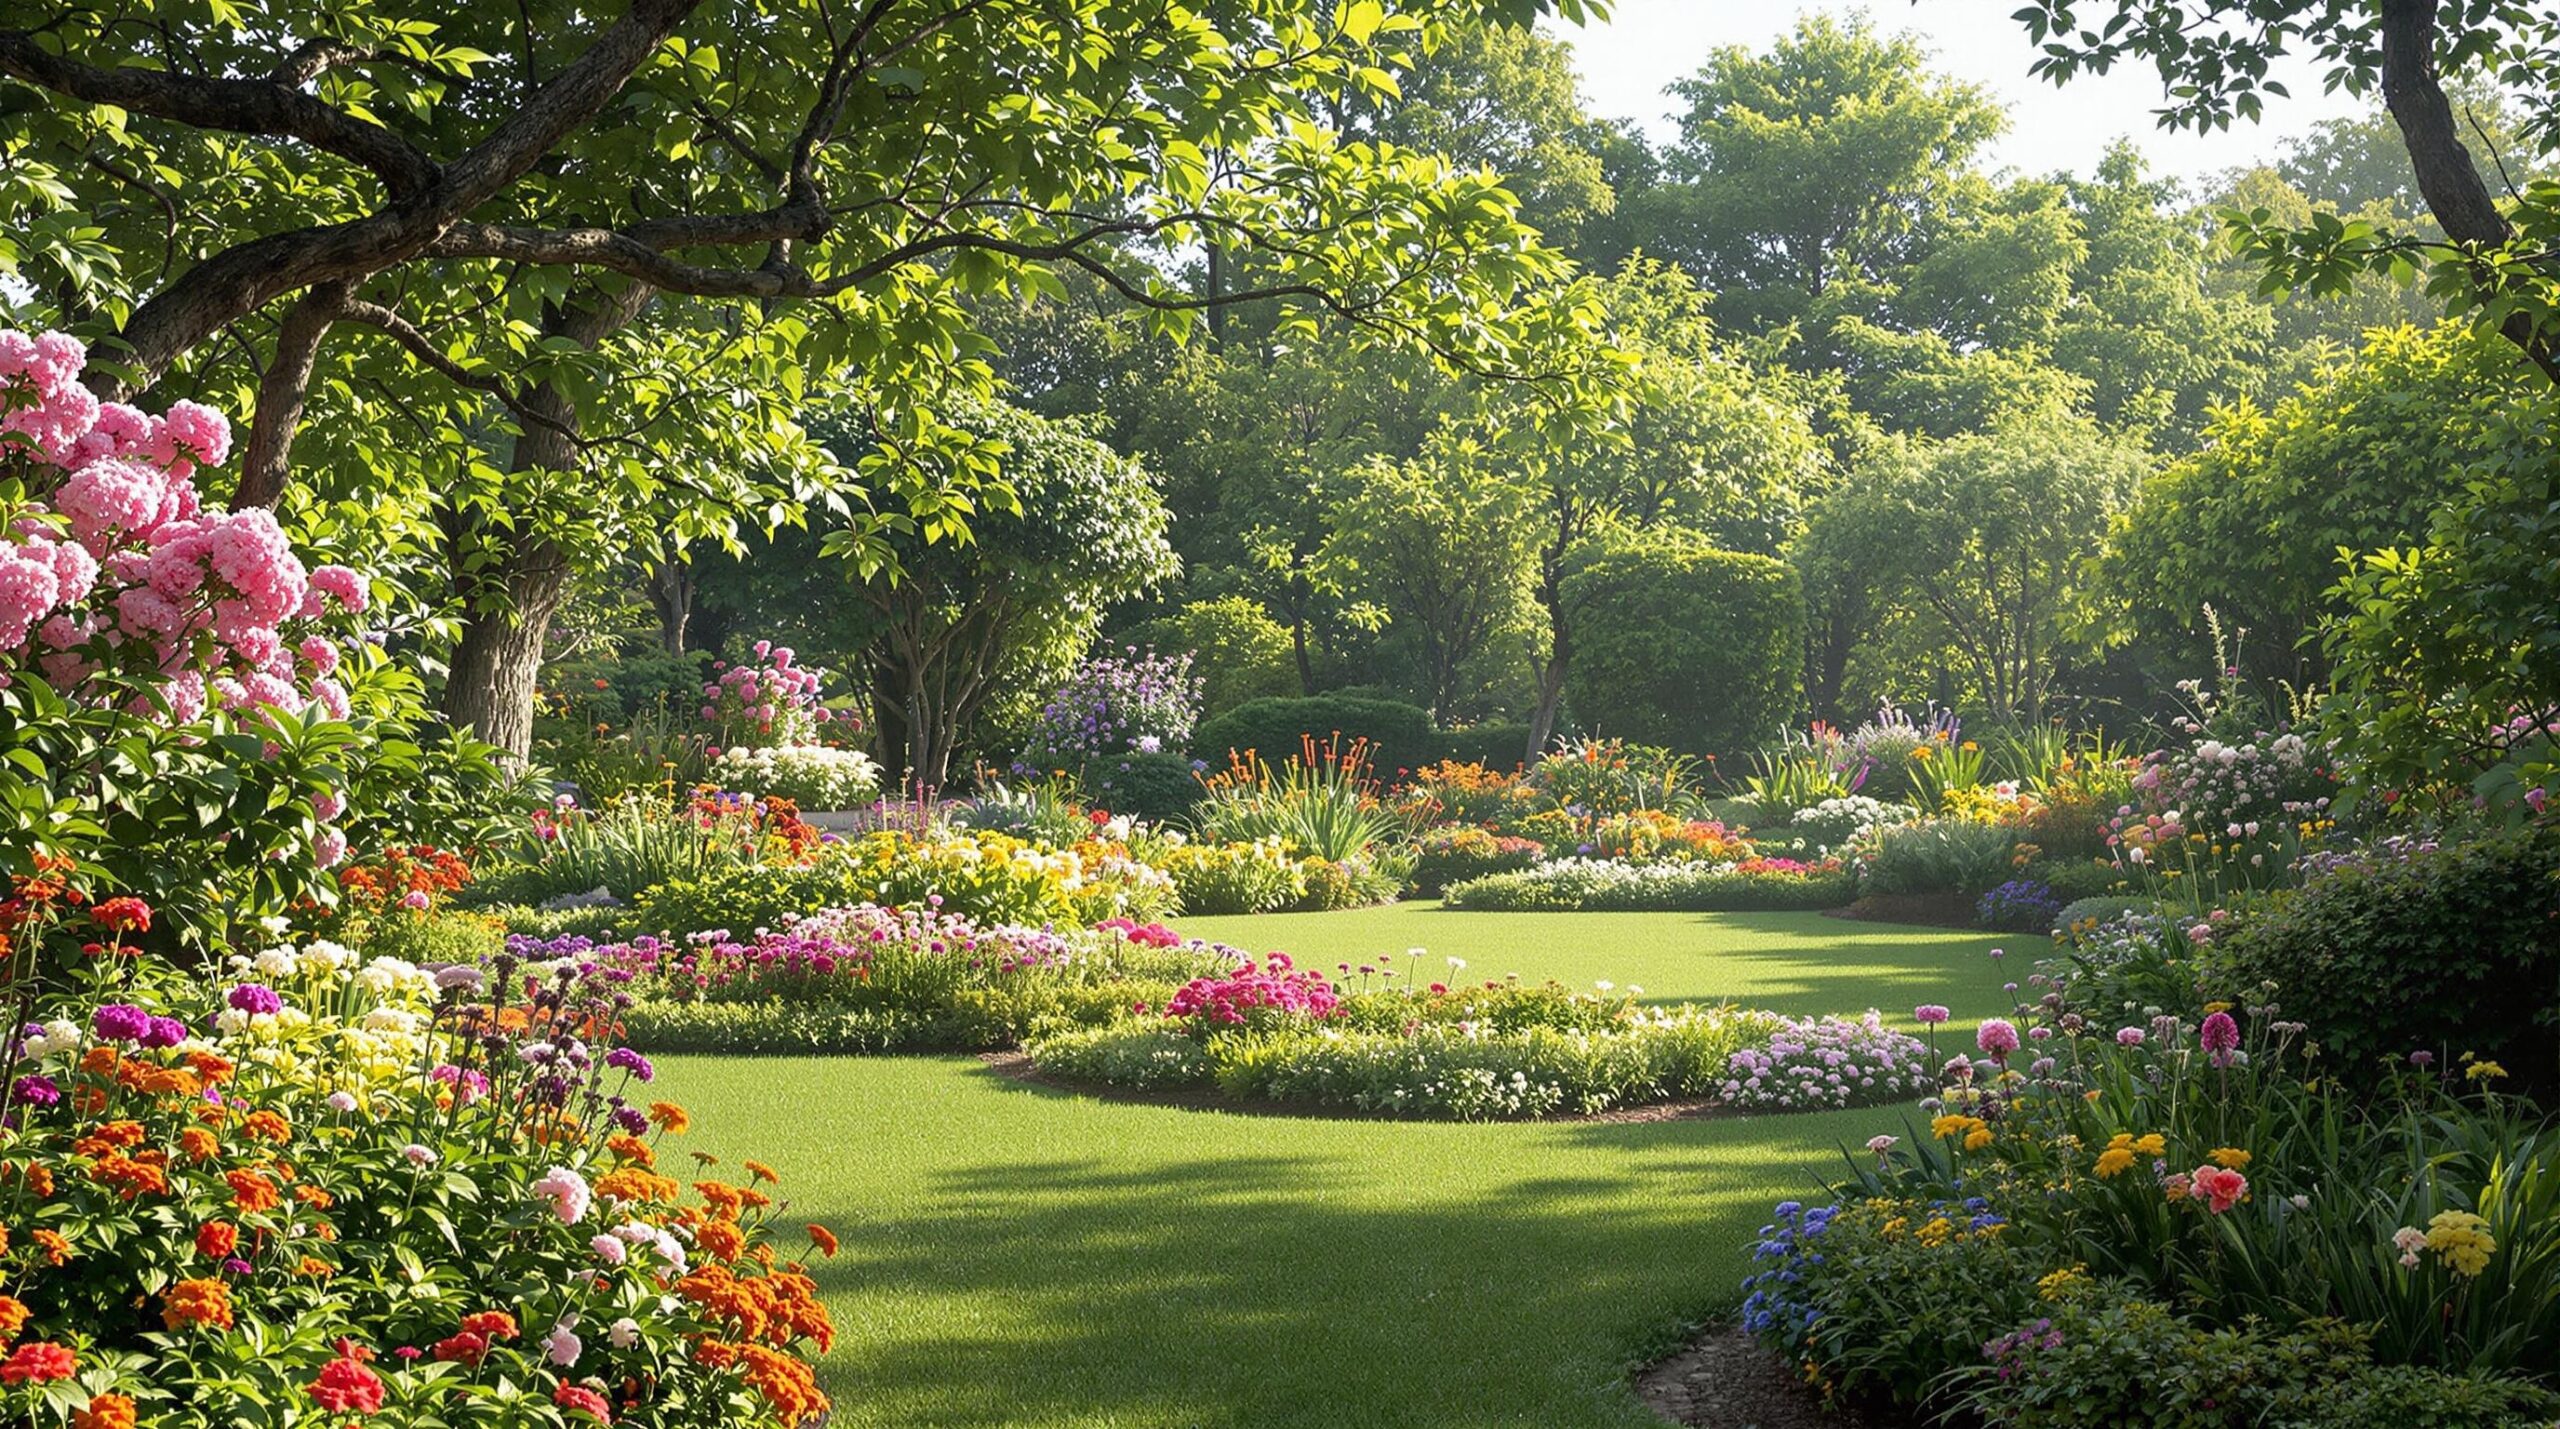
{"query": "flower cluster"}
[(813, 776), (1274, 985), (767, 700), (1135, 702), (120, 586), (1828, 1062)]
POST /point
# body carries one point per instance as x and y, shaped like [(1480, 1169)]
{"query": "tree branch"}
[(282, 390)]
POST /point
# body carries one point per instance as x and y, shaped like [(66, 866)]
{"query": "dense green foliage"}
[(1399, 734), (1686, 646)]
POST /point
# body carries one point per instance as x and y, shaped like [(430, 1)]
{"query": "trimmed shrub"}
[(1497, 746), (1455, 853), (1933, 856), (1686, 646), (1159, 788), (2407, 946), (1593, 885), (1400, 735)]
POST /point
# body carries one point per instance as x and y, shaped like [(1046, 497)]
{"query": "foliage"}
[(2021, 905), (1835, 822), (2412, 945), (1933, 856), (362, 1188), (641, 841), (1686, 646), (1216, 878), (1238, 651), (1159, 788), (1595, 885), (1278, 728), (1457, 853), (989, 877), (1321, 802)]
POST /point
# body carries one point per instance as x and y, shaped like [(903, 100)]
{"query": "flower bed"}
[(2189, 1215), (338, 1188), (874, 979), (1596, 885)]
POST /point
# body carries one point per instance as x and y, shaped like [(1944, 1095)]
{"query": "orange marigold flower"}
[(196, 1302), (313, 1267), (216, 1240), (40, 1181), (631, 1149), (212, 1066), (824, 1239), (38, 1362), (199, 1144), (723, 1200), (631, 1184), (754, 1200), (130, 1177), (721, 1240), (670, 1118), (762, 1172), (252, 1192), (55, 1245), (785, 1382), (113, 1136), (494, 1324), (100, 1061), (13, 1317), (267, 1126), (106, 1411), (314, 1197)]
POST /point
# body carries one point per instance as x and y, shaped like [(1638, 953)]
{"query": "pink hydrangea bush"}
[(118, 585), (766, 702)]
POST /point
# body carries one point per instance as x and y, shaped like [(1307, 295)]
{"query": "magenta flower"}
[(1930, 1013)]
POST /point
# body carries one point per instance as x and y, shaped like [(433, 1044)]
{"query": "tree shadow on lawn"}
[(1807, 963), (1248, 1280)]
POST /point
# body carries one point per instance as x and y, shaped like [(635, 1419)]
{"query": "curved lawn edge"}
[(1019, 1066)]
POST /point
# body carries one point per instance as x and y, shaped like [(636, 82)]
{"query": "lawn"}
[(1018, 1256), (1793, 962)]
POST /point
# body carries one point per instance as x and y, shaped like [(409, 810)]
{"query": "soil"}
[(1019, 1067), (1728, 1380), (1934, 910)]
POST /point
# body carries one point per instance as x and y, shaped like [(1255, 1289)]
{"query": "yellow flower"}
[(2229, 1158), (2463, 1239), (1977, 1138), (1892, 1227), (2062, 1282), (2483, 1071), (2211, 1008), (1935, 1233), (2113, 1161)]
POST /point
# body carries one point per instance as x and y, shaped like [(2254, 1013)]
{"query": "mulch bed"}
[(1728, 1380), (1019, 1066)]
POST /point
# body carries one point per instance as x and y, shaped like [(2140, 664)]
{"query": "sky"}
[(1646, 44)]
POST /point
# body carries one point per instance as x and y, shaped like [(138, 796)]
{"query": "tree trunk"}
[(671, 587), (491, 687)]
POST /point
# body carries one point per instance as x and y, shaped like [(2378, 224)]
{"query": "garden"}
[(974, 713)]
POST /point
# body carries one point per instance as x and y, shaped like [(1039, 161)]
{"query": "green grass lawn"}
[(1019, 1256), (1792, 962)]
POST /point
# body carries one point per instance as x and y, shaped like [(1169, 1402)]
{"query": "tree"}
[(1018, 601), (1990, 535), (571, 245), (1441, 543), (1811, 165), (2358, 460), (2488, 260)]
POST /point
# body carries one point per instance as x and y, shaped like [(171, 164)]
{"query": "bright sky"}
[(1627, 61)]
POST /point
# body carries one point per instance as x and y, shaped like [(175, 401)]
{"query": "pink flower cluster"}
[(1274, 984), (117, 564), (770, 700), (1145, 935)]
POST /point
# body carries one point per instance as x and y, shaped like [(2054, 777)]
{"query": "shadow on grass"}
[(1291, 1285)]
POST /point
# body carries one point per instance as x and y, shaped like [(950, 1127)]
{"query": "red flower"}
[(346, 1386), (37, 1362), (463, 1347), (579, 1399), (122, 915)]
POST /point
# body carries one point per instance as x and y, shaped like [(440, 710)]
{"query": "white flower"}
[(277, 962), (342, 1102), (419, 1155), (622, 1334)]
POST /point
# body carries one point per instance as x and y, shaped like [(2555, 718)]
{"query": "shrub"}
[(2021, 905), (1494, 745), (1686, 646), (2087, 913), (1579, 884), (2073, 879), (767, 700), (1239, 652), (1454, 853), (1933, 856), (430, 938), (2449, 948), (1160, 788), (1214, 879), (1321, 803), (634, 844), (1458, 792), (812, 776), (1398, 735), (1136, 1056), (988, 876)]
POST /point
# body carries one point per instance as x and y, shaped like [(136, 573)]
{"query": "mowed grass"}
[(1020, 1256), (1799, 963)]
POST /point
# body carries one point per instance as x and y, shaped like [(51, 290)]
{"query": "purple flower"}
[(256, 998), (37, 1091), (2219, 1033), (164, 1032), (120, 1022), (1998, 1036), (624, 1059)]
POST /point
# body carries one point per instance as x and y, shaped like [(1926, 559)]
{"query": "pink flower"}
[(2128, 1036), (610, 1249), (1998, 1036), (568, 1193), (2218, 1188), (1930, 1013), (2220, 1036)]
